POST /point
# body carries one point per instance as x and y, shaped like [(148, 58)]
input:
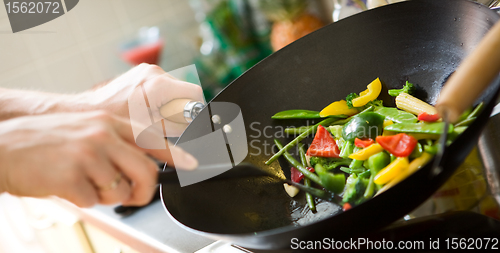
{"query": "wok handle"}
[(181, 110), (472, 77)]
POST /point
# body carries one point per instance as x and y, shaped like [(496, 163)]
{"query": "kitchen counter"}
[(147, 230)]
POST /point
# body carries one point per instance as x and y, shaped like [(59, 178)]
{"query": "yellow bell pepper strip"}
[(337, 108), (415, 165), (387, 132), (365, 153), (392, 170), (369, 94), (388, 122)]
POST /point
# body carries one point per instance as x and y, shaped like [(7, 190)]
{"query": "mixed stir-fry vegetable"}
[(362, 148)]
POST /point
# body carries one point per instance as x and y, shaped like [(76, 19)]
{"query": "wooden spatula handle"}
[(472, 77), (174, 110)]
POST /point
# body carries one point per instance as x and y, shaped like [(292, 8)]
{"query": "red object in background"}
[(400, 145), (323, 144), (147, 53), (296, 175)]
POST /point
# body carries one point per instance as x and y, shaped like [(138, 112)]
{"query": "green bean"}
[(298, 139), (297, 130), (370, 187), (307, 174), (307, 182), (476, 111), (302, 154), (309, 197), (465, 122)]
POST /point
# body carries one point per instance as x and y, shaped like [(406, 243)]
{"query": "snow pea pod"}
[(423, 128), (297, 114), (395, 115)]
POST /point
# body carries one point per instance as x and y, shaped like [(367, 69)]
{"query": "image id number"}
[(32, 7), (472, 243)]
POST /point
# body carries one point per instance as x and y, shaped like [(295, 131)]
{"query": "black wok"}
[(420, 41)]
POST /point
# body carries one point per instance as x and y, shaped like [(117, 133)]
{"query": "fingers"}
[(110, 185), (173, 129), (138, 168), (81, 193), (174, 156)]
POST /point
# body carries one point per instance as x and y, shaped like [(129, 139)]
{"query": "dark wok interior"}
[(419, 41)]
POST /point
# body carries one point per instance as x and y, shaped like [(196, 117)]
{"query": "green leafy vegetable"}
[(336, 131), (349, 99), (355, 189), (375, 103), (329, 163), (408, 88), (347, 149)]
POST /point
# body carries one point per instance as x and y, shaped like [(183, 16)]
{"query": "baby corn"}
[(409, 103)]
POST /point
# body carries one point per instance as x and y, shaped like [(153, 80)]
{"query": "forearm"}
[(18, 103)]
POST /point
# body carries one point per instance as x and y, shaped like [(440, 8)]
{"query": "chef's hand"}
[(86, 158), (159, 86)]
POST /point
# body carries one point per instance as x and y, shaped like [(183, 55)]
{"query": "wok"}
[(419, 41)]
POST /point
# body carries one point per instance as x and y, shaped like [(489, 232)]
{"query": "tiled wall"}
[(81, 48)]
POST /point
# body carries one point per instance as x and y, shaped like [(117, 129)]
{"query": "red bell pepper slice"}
[(423, 116), (363, 143), (297, 175), (346, 206), (400, 145), (323, 145)]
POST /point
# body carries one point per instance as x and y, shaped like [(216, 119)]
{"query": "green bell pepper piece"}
[(363, 125), (417, 151), (332, 182), (329, 163), (378, 161)]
